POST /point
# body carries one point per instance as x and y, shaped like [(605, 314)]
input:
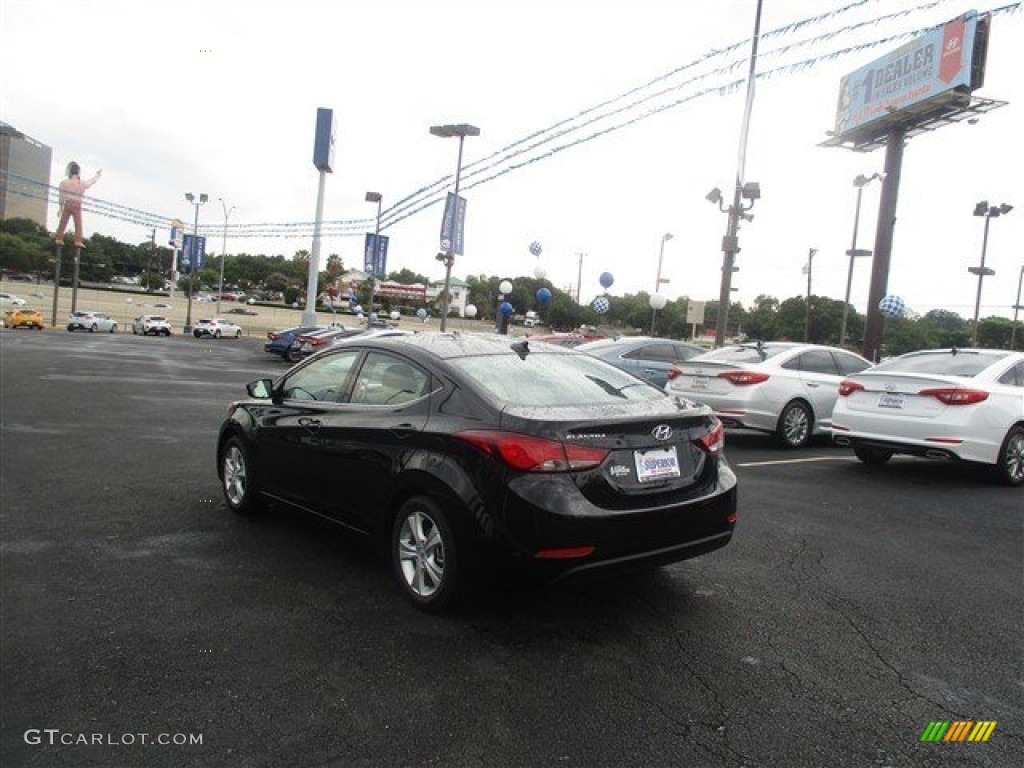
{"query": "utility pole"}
[(579, 280), (149, 261)]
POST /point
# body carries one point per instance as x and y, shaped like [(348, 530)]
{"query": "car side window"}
[(388, 380), (664, 353), (850, 363), (1013, 377), (323, 380), (818, 361)]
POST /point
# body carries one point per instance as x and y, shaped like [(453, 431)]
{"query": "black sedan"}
[(456, 451)]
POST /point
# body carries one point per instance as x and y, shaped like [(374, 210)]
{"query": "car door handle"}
[(813, 383), (312, 425), (404, 430)]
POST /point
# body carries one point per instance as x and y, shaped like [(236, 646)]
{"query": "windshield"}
[(944, 363), (554, 380), (746, 353)]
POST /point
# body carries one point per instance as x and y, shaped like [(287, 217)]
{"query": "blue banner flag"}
[(375, 255), (453, 225), (193, 252)]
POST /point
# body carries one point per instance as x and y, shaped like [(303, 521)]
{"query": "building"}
[(24, 176), (459, 299)]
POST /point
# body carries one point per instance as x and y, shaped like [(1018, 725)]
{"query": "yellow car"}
[(23, 318)]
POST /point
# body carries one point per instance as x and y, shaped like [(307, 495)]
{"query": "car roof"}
[(454, 344)]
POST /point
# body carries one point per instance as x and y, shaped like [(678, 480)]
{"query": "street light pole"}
[(374, 197), (1016, 307), (860, 182), (989, 212), (658, 281), (807, 310), (461, 130), (223, 250), (203, 198)]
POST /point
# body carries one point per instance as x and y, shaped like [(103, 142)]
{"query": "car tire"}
[(70, 329), (238, 334), (196, 334), (425, 555), (92, 328), (167, 333), (237, 478), (113, 328), (872, 456), (216, 334), (1009, 469), (796, 424)]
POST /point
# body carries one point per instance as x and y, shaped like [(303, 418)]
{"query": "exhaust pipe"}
[(841, 440), (933, 454)]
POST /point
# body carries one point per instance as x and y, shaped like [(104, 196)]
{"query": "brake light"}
[(847, 388), (743, 378), (956, 396), (674, 373), (318, 342), (534, 454), (564, 553), (714, 441)]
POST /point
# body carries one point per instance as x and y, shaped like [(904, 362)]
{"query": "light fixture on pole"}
[(730, 243), (223, 250), (461, 130), (657, 300), (854, 253), (1016, 307), (374, 197), (989, 212), (193, 253)]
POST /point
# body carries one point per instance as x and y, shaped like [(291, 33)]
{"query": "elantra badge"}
[(662, 432)]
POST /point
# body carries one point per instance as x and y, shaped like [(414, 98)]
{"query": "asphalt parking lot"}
[(852, 608)]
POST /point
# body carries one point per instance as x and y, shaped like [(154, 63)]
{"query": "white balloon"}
[(471, 310), (396, 315), (505, 286), (657, 301), (540, 273)]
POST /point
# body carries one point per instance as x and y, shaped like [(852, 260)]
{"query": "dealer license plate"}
[(656, 464), (700, 382), (890, 401)]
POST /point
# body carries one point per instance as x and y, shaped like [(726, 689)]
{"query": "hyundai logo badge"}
[(662, 432)]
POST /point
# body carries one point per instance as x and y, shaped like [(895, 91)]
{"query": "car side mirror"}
[(261, 389)]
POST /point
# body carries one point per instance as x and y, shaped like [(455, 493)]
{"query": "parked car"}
[(467, 449), (23, 318), (92, 322), (373, 333), (157, 325), (216, 328), (561, 339), (961, 404), (782, 388), (10, 300), (646, 357), (306, 344), (240, 311), (278, 342)]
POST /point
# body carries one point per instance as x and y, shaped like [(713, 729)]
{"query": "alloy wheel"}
[(235, 476), (421, 554)]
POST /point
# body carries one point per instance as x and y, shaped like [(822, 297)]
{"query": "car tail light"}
[(847, 388), (534, 454), (743, 378), (714, 441), (564, 553), (955, 395), (318, 342), (674, 373), (273, 336)]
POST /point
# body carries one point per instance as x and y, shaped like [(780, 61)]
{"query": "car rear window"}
[(160, 318), (744, 354), (943, 363), (553, 380)]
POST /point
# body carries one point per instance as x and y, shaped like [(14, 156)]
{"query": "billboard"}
[(375, 255), (930, 73), (453, 225), (193, 252), (323, 142)]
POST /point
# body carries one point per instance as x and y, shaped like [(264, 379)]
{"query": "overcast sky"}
[(221, 97)]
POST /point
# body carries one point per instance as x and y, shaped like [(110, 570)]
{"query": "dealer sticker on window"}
[(656, 464)]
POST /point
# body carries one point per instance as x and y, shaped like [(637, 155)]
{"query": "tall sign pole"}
[(323, 159)]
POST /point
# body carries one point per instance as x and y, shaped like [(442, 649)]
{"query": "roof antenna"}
[(521, 348)]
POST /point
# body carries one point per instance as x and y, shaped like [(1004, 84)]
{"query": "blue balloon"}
[(506, 308), (607, 279), (601, 305), (543, 295)]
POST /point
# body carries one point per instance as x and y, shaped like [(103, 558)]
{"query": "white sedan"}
[(92, 322), (217, 328), (778, 387), (965, 404)]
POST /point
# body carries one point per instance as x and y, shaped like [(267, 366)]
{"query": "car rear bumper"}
[(966, 450)]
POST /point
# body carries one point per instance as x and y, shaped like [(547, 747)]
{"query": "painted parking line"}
[(796, 461)]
